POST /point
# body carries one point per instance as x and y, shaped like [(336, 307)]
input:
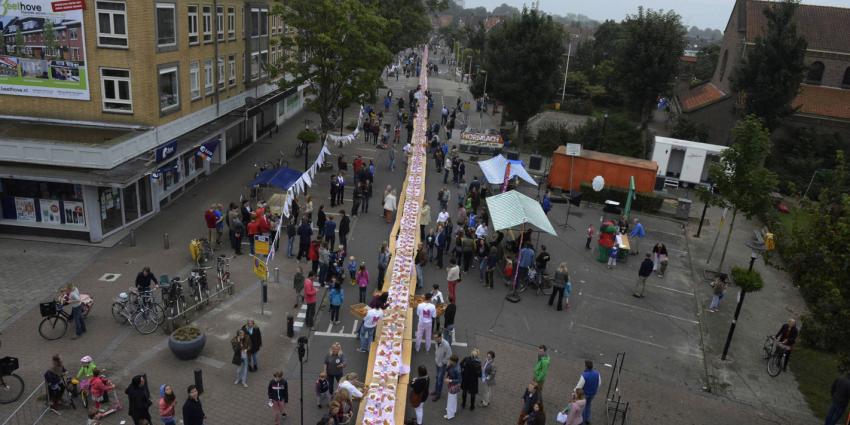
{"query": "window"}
[(231, 23), (231, 63), (166, 25), (193, 25), (208, 76), (815, 73), (111, 24), (219, 22), (207, 23), (264, 61), (846, 80), (264, 22), (221, 73), (255, 22), (75, 53), (723, 64), (255, 65), (195, 80), (259, 22), (73, 33), (169, 90), (117, 96)]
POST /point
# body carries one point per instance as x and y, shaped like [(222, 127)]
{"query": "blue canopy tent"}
[(282, 177)]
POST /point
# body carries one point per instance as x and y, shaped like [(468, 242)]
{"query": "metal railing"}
[(32, 409)]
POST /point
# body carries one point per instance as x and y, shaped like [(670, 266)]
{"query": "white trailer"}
[(683, 161)]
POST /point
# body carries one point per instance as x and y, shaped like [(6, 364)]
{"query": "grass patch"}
[(815, 370)]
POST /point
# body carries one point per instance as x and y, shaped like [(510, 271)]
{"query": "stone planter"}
[(186, 348)]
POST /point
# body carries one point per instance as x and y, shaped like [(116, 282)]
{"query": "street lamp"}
[(485, 81), (567, 69), (604, 126), (307, 123)]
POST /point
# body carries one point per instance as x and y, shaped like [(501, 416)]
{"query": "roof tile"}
[(823, 27), (701, 96), (821, 101)]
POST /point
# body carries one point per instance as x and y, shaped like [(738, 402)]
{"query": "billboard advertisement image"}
[(42, 52)]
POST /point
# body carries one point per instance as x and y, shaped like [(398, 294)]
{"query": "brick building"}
[(159, 95), (824, 98)]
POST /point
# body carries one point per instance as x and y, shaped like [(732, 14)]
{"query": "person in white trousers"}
[(453, 382), (426, 312), (419, 392)]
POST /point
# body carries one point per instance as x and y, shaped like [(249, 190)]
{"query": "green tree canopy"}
[(770, 74), (706, 62), (407, 23), (522, 57), (337, 46), (648, 59)]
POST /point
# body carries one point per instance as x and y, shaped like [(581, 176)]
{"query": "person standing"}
[(420, 261), (559, 283), (321, 219), (453, 381), (449, 320), (589, 382), (278, 396), (718, 288), (139, 400), (576, 408), (253, 333), (193, 411), (310, 298), (526, 259), (344, 228), (426, 313), (305, 234), (340, 192), (367, 329), (72, 294), (589, 236), (330, 231), (541, 369), (391, 155), (167, 404), (389, 206), (334, 364), (362, 278), (612, 256), (212, 222), (643, 273), (488, 377), (441, 358), (419, 392), (298, 285), (453, 278), (840, 396), (383, 263), (424, 219), (659, 252), (336, 298), (241, 346), (470, 371), (637, 234), (334, 188), (440, 240), (492, 262), (530, 397)]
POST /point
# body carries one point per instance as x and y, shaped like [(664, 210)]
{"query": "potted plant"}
[(187, 342)]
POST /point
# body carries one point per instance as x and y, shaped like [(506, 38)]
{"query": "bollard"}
[(165, 244), (199, 381), (290, 325), (265, 293), (132, 237), (276, 275)]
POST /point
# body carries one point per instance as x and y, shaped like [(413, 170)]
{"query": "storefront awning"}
[(120, 176)]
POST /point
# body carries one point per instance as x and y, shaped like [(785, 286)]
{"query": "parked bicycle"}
[(222, 267), (141, 311), (173, 298), (11, 385), (774, 353), (198, 285), (541, 282)]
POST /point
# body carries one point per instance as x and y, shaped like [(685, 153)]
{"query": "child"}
[(99, 389), (363, 281), (352, 268), (336, 298), (612, 256), (508, 272), (323, 389)]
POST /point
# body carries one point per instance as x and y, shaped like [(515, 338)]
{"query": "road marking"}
[(211, 362), (354, 328), (624, 337), (110, 277), (673, 290), (645, 309), (459, 344)]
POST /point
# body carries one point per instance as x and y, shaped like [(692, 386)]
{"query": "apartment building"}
[(109, 109)]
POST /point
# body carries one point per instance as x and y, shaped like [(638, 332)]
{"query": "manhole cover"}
[(110, 277)]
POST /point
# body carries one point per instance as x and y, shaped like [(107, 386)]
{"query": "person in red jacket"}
[(211, 221), (310, 298), (253, 230), (313, 254)]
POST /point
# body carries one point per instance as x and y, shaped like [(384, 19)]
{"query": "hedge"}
[(646, 202)]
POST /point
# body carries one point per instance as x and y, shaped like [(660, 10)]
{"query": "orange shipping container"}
[(615, 169)]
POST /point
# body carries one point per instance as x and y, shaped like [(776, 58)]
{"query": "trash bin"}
[(683, 211)]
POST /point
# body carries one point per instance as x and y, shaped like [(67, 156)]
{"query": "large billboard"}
[(43, 49)]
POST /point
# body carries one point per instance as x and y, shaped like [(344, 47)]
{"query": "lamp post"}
[(567, 69), (741, 295), (307, 123), (481, 112), (604, 126), (485, 81)]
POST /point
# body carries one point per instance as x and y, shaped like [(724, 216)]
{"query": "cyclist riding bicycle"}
[(786, 337)]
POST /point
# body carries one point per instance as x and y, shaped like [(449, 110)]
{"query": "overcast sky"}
[(702, 13)]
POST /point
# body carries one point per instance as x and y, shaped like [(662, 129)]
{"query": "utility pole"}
[(741, 296), (567, 70)]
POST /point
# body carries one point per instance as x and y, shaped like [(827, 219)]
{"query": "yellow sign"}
[(261, 245), (260, 268), (769, 242)]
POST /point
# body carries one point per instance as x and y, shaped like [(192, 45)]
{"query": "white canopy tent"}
[(511, 209), (494, 170)]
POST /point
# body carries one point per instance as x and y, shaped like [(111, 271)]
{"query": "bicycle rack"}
[(615, 407), (169, 324)]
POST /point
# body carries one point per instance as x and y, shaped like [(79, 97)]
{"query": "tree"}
[(522, 57), (505, 10), (801, 155), (341, 51), (769, 76), (706, 62), (50, 45), (687, 129), (740, 177), (407, 23), (648, 60)]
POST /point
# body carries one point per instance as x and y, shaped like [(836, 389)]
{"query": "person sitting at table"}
[(623, 224)]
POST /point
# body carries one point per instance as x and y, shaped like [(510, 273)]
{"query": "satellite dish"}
[(598, 183)]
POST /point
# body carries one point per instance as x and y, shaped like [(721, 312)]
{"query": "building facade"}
[(108, 112), (824, 98)]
